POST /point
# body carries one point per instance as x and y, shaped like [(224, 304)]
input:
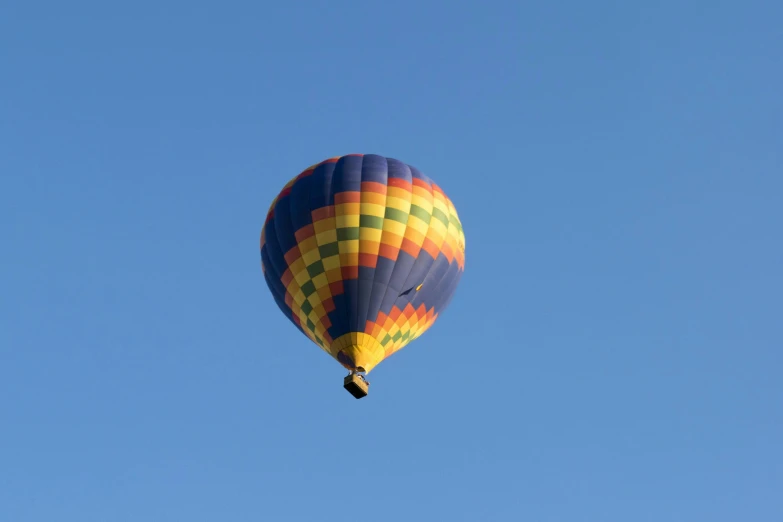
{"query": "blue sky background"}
[(613, 352)]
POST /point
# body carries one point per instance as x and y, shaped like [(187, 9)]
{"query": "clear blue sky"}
[(613, 352)]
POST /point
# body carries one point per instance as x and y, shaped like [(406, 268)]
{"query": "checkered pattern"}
[(362, 253)]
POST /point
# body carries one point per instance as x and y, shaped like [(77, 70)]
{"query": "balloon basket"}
[(356, 385)]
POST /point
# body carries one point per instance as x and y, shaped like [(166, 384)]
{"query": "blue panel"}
[(399, 170), (272, 275), (321, 186), (283, 226), (418, 272), (447, 287), (374, 168), (351, 307), (279, 300), (418, 175), (275, 260), (299, 203), (338, 317), (383, 273), (363, 292), (427, 294), (402, 268), (347, 174)]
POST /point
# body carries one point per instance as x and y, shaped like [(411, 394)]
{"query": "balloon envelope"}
[(362, 253)]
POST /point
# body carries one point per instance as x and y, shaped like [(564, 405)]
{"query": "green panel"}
[(371, 222), (440, 216), (316, 268), (345, 234), (308, 288), (420, 213), (329, 249), (396, 215)]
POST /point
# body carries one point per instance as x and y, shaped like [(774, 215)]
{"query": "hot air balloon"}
[(362, 253)]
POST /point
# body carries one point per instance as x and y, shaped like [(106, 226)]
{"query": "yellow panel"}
[(318, 310), (322, 225), (395, 227), (370, 234), (437, 227), (308, 244), (326, 237), (347, 220), (334, 275), (373, 209), (399, 203), (349, 246), (331, 262), (417, 224), (297, 266), (320, 281), (311, 256), (302, 277), (344, 209), (419, 201), (441, 205)]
